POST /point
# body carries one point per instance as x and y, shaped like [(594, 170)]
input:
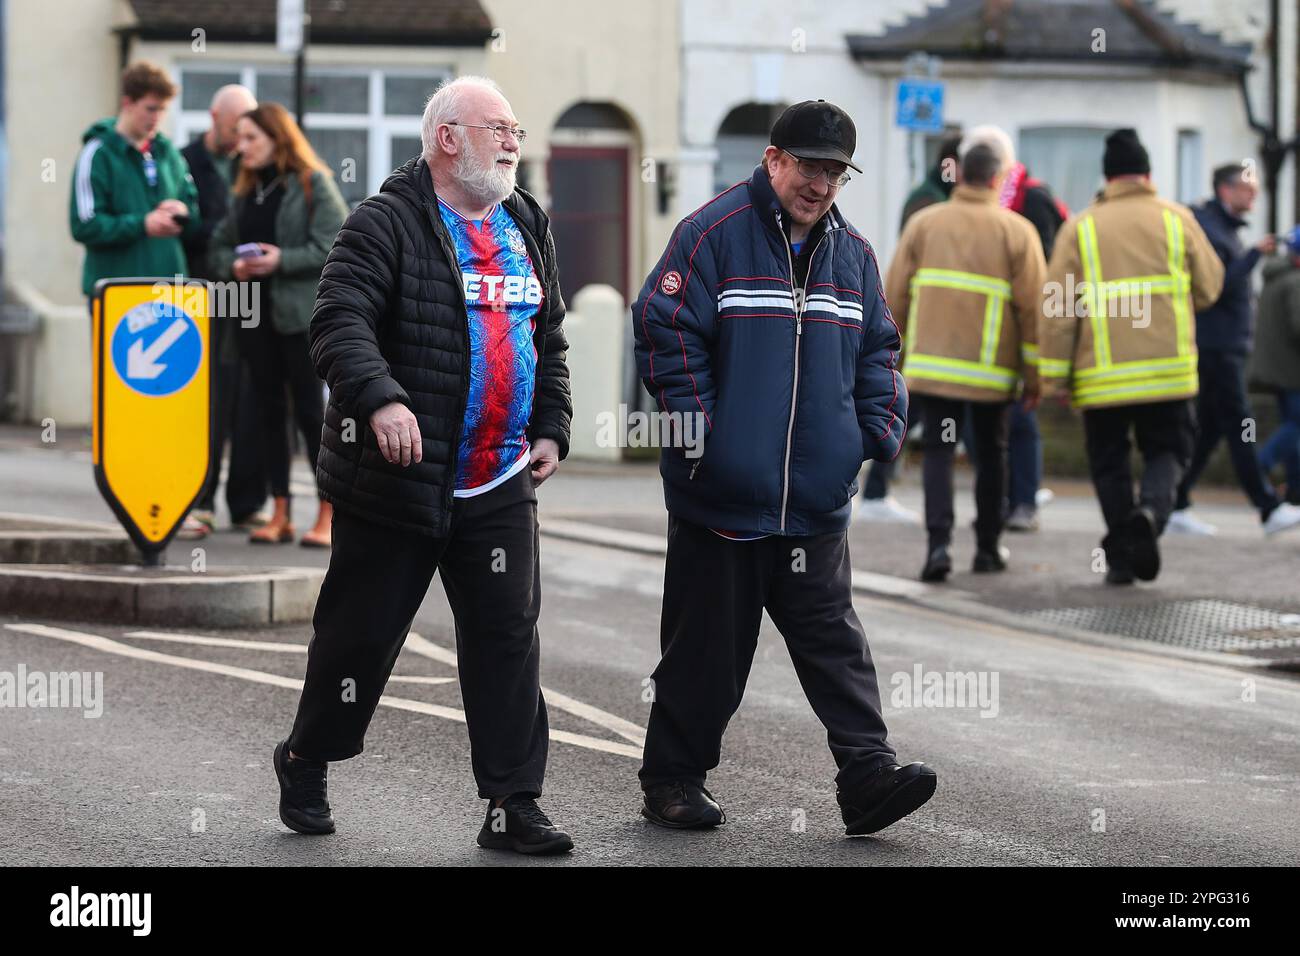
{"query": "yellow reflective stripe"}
[(1141, 366), (971, 281), (1092, 275), (941, 368), (1054, 368), (1172, 389), (1129, 381), (1182, 316), (1029, 353), (992, 330), (910, 342)]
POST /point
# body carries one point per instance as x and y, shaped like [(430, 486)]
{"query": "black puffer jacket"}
[(390, 326)]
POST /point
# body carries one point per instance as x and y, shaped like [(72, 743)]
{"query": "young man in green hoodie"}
[(132, 195)]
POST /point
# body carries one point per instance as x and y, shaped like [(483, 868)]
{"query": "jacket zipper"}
[(444, 240), (798, 338)]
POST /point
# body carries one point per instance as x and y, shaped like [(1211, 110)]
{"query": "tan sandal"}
[(311, 540), (272, 533)]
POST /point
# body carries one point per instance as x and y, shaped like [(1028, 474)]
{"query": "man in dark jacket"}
[(438, 326), (211, 161), (1223, 341), (765, 322)]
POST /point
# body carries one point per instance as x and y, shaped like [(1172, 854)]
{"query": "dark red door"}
[(589, 216)]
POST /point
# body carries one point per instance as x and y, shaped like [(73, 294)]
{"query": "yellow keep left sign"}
[(152, 387)]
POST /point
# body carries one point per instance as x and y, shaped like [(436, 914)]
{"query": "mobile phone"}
[(181, 219), (249, 250)]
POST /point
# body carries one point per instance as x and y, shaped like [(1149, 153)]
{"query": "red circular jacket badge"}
[(671, 283)]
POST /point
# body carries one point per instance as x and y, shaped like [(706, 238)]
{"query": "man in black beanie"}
[(1118, 333), (1125, 155)]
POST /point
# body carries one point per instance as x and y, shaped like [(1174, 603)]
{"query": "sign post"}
[(151, 345), (919, 108)]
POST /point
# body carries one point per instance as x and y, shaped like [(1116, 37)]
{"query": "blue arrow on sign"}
[(156, 348)]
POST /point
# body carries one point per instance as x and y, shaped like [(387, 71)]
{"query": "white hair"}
[(995, 138), (446, 106)]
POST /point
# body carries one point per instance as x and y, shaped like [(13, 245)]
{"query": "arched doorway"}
[(589, 177), (741, 139)]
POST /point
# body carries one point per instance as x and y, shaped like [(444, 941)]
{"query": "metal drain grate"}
[(1203, 625)]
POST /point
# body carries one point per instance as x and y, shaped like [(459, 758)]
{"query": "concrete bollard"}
[(597, 329)]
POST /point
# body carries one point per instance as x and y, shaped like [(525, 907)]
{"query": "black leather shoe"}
[(520, 825), (1119, 574), (1140, 530), (888, 795), (682, 806), (303, 803), (989, 561), (938, 565)]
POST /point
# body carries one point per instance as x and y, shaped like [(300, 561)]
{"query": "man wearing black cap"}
[(765, 322), (1119, 335)]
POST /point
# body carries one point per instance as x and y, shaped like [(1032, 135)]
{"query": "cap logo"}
[(671, 283), (830, 126)]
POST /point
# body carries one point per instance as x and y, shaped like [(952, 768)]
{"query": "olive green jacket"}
[(304, 236), (1276, 360)]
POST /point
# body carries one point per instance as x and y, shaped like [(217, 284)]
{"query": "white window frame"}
[(381, 126)]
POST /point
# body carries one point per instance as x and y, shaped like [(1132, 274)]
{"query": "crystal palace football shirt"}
[(503, 297)]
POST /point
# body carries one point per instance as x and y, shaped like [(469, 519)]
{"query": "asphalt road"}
[(1085, 755)]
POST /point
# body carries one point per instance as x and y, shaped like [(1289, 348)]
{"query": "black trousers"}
[(1221, 408), (274, 361), (715, 591), (1165, 432), (944, 419), (234, 418), (376, 582)]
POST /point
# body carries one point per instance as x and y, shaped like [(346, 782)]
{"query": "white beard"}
[(488, 184)]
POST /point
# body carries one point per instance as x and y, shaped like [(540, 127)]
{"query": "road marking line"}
[(110, 646), (423, 646), (278, 647), (601, 718)]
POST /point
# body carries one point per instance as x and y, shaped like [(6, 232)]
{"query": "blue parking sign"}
[(920, 106)]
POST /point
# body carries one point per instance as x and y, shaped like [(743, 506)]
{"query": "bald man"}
[(212, 158)]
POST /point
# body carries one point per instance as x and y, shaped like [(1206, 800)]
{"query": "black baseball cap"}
[(815, 129)]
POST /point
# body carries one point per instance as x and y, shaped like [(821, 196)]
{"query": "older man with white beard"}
[(438, 328)]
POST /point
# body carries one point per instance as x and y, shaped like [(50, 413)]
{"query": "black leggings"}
[(274, 360)]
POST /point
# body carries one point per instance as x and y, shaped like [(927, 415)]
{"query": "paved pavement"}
[(1075, 753)]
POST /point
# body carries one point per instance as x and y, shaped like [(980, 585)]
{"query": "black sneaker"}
[(303, 804), (888, 795), (1119, 574), (682, 806), (520, 825), (989, 562), (938, 565), (1140, 530)]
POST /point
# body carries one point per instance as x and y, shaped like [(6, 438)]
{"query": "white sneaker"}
[(1184, 522), (886, 510), (1284, 516), (1044, 497)]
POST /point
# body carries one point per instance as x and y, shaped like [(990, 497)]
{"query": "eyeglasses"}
[(499, 132), (810, 169)]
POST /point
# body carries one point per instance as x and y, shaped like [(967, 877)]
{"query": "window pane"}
[(197, 87), (406, 95), (275, 87), (404, 148), (344, 152), (322, 92), (1067, 159)]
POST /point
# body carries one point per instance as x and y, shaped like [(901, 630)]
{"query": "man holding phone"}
[(132, 195)]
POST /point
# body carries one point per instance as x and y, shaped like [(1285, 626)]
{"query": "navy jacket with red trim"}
[(792, 401)]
